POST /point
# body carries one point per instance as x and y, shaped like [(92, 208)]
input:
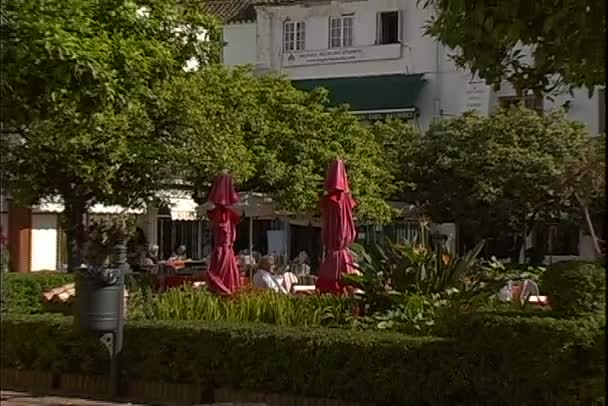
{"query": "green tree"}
[(400, 141), (497, 175), (80, 99), (585, 182), (273, 138), (566, 40)]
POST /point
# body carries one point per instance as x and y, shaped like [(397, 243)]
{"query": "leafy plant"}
[(103, 234), (411, 268), (414, 314), (576, 287), (248, 306), (405, 286)]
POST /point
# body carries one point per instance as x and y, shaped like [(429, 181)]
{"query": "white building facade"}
[(374, 56)]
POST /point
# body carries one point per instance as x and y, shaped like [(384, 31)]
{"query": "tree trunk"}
[(539, 100), (539, 249), (75, 226), (590, 227)]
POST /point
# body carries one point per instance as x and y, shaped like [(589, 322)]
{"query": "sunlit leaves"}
[(498, 172), (272, 138), (81, 82)]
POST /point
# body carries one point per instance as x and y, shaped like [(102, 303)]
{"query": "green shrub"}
[(22, 292), (492, 360), (575, 287)]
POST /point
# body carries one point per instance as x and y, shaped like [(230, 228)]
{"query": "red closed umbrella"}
[(222, 191), (223, 274), (339, 230)]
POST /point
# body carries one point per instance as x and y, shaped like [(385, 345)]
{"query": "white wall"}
[(446, 88), (582, 108), (414, 58), (44, 242), (240, 40)]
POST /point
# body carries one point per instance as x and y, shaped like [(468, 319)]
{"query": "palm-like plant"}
[(412, 268)]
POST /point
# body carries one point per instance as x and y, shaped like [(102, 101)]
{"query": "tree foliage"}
[(585, 183), (80, 84), (98, 107), (273, 138), (566, 40), (498, 174)]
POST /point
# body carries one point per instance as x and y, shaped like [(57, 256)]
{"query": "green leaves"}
[(564, 40), (82, 80), (498, 172), (272, 137)]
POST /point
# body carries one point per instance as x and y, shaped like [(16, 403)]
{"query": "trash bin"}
[(100, 306), (100, 299), (100, 293)]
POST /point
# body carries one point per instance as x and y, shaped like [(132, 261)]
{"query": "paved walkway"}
[(10, 398)]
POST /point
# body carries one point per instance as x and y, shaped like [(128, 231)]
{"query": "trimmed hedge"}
[(576, 287), (492, 360), (21, 292)]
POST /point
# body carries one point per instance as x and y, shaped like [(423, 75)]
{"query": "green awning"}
[(370, 93)]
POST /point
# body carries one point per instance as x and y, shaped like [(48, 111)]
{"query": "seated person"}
[(178, 258), (151, 261), (137, 248), (179, 254), (300, 265), (264, 277)]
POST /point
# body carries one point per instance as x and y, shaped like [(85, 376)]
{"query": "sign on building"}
[(342, 55)]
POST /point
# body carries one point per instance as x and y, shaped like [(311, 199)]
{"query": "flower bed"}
[(492, 359)]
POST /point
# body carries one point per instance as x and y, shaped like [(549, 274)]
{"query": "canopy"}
[(55, 205), (372, 97), (339, 230)]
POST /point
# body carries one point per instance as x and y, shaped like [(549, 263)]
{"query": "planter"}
[(31, 381), (166, 392), (84, 384), (225, 395)]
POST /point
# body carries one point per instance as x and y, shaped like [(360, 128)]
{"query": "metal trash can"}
[(100, 293), (100, 299), (100, 306)]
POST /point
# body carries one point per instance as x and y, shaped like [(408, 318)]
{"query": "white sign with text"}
[(478, 96), (342, 55)]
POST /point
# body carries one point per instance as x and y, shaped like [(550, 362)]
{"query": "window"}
[(529, 101), (388, 27), (601, 95), (195, 235), (341, 32), (293, 36)]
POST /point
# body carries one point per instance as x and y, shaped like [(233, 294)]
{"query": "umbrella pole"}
[(251, 237)]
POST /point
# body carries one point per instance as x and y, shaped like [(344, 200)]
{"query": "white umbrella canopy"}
[(251, 204)]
